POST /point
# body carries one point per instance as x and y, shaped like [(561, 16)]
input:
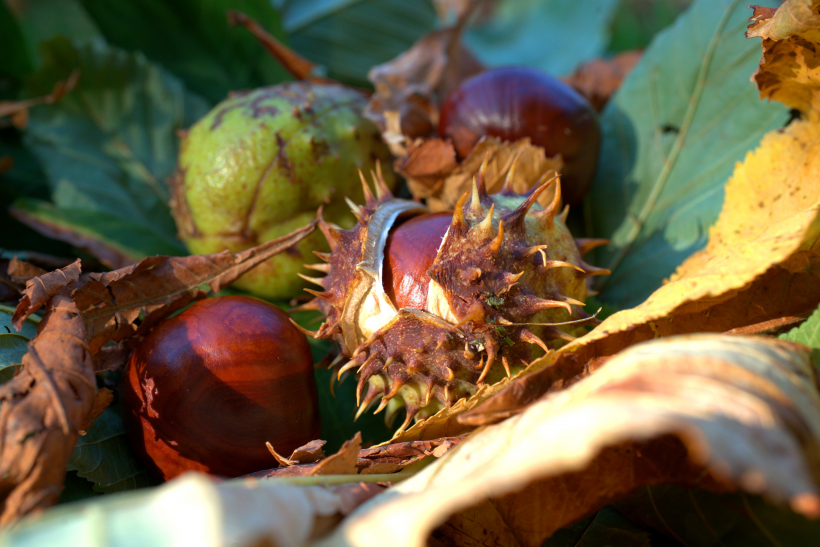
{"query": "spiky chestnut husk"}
[(505, 265)]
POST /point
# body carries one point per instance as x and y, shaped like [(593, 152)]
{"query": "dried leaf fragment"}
[(42, 410), (599, 79), (744, 413)]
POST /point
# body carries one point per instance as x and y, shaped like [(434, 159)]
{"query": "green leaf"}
[(44, 20), (193, 40), (76, 488), (355, 36), (13, 344), (807, 334), (15, 60), (607, 527), (637, 21), (28, 329), (109, 145), (26, 178), (114, 240), (671, 137), (297, 14), (703, 519), (553, 35), (104, 457), (12, 349)]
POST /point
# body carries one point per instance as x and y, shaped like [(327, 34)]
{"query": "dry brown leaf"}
[(20, 271), (396, 456), (379, 460), (599, 79), (712, 411), (111, 302), (39, 289), (309, 453), (460, 529), (408, 84), (789, 71), (342, 462), (42, 410)]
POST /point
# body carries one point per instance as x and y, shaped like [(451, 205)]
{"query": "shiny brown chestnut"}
[(409, 252), (209, 387), (516, 102)]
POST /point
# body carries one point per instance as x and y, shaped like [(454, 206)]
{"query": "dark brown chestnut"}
[(410, 251), (516, 102), (209, 387)]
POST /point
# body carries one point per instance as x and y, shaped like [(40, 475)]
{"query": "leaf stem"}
[(327, 480)]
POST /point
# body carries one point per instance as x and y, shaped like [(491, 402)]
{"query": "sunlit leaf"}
[(672, 134), (710, 411)]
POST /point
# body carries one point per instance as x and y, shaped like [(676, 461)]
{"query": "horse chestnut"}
[(409, 252), (512, 103), (209, 387)]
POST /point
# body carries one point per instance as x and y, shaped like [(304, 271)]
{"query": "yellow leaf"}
[(790, 68)]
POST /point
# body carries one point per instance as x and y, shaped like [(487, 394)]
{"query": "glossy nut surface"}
[(410, 251), (512, 103), (207, 388)]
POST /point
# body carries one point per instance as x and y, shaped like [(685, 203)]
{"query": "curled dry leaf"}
[(396, 456), (151, 290), (196, 510), (42, 411), (309, 453), (20, 271), (789, 71), (39, 289), (710, 411), (599, 79)]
